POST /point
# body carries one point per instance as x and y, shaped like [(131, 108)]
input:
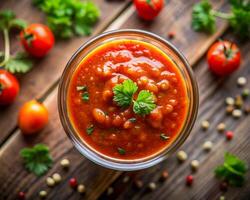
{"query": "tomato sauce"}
[(117, 132)]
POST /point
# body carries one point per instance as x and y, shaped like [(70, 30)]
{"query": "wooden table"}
[(42, 81)]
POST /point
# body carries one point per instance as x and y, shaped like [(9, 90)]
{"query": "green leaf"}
[(85, 96), (164, 137), (123, 93), (37, 159), (144, 103), (21, 63), (202, 17), (133, 120), (6, 16), (90, 129), (121, 151), (18, 23)]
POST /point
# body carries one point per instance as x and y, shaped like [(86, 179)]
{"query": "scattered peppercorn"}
[(238, 101), (65, 163), (57, 177), (182, 156), (110, 191), (50, 182), (42, 193), (205, 124), (189, 180), (125, 179), (223, 186), (81, 188), (73, 182), (207, 146), (164, 175), (221, 127), (171, 35), (229, 109), (195, 165), (241, 81), (229, 101), (237, 113), (245, 93), (138, 183), (229, 135), (21, 195), (152, 186)]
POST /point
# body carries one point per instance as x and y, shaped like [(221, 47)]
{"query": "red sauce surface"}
[(152, 70)]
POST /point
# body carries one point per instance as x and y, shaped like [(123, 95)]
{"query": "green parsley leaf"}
[(85, 96), (90, 129), (19, 64), (8, 20), (233, 170), (164, 137), (81, 88), (123, 93), (37, 159), (121, 151), (144, 103), (202, 17), (67, 18), (133, 120)]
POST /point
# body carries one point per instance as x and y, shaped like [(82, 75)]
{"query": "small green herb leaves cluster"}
[(123, 96), (204, 17), (37, 159), (233, 170), (67, 18)]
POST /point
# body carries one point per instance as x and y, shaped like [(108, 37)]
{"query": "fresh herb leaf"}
[(81, 88), (144, 103), (67, 18), (90, 129), (85, 96), (37, 159), (202, 17), (21, 63), (133, 120), (121, 151), (8, 20), (123, 93), (233, 170), (164, 137)]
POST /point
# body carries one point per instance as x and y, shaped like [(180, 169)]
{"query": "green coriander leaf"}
[(144, 103), (233, 170), (18, 23), (19, 64), (6, 16), (202, 17), (164, 137), (133, 120), (123, 93), (121, 151), (90, 129), (81, 88), (37, 159), (85, 96)]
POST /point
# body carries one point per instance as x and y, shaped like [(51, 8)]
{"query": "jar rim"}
[(118, 164)]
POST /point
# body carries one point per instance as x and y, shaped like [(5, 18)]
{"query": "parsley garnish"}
[(204, 17), (20, 63), (233, 170), (37, 159), (164, 137), (90, 129), (67, 18), (123, 96), (133, 120), (81, 88), (85, 96), (121, 151)]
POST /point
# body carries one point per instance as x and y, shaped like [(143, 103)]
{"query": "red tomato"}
[(37, 39), (9, 87), (223, 57), (148, 9), (33, 116)]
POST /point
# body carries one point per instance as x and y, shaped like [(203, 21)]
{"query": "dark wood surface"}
[(42, 81)]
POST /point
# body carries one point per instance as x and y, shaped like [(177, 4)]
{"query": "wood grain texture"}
[(213, 91), (47, 70)]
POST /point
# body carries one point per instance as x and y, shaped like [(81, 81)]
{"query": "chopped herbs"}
[(133, 120), (90, 129), (37, 159), (121, 151), (164, 137), (85, 96), (233, 170), (67, 18), (81, 88)]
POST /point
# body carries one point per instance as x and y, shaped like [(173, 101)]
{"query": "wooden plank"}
[(213, 91), (48, 70)]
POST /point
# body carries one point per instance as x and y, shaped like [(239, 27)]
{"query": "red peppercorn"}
[(223, 186), (171, 35), (189, 180), (21, 195), (73, 182), (229, 135)]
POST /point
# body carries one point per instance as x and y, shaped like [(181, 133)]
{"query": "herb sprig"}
[(204, 17), (123, 96), (232, 170), (67, 18), (37, 159)]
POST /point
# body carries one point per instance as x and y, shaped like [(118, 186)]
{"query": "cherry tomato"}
[(9, 87), (148, 9), (37, 39), (223, 57), (33, 116)]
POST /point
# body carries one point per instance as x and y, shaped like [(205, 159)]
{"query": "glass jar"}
[(181, 63)]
